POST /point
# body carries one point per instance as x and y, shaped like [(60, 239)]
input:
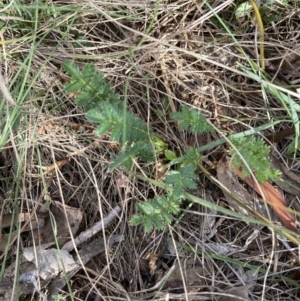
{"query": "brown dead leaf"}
[(151, 258), (57, 164), (49, 168), (241, 292), (50, 262), (273, 198), (73, 95), (42, 130), (239, 196), (197, 140), (151, 246), (192, 274), (86, 253), (230, 180), (277, 202), (6, 220), (122, 180), (160, 170), (73, 217)]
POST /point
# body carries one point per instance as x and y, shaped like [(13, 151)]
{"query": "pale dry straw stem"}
[(81, 151), (8, 18), (7, 6), (57, 171), (179, 264), (209, 14), (4, 52), (5, 91), (24, 226), (269, 265), (166, 81), (105, 220), (195, 55)]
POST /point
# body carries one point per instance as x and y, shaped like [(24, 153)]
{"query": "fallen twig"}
[(85, 235)]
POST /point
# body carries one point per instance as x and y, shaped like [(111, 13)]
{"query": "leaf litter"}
[(86, 183), (50, 263)]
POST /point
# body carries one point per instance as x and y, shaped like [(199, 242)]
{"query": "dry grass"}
[(169, 53)]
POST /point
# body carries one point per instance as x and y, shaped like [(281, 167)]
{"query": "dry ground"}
[(158, 55)]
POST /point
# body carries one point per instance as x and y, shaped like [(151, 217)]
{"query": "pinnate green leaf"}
[(75, 86), (83, 98), (190, 119), (181, 179), (72, 70), (156, 213), (96, 116), (89, 71), (135, 150), (104, 128), (192, 157), (255, 153)]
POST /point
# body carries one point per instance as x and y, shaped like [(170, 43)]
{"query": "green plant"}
[(58, 298), (269, 12), (138, 141), (255, 152)]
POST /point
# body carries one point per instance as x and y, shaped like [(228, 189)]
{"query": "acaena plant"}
[(138, 141)]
